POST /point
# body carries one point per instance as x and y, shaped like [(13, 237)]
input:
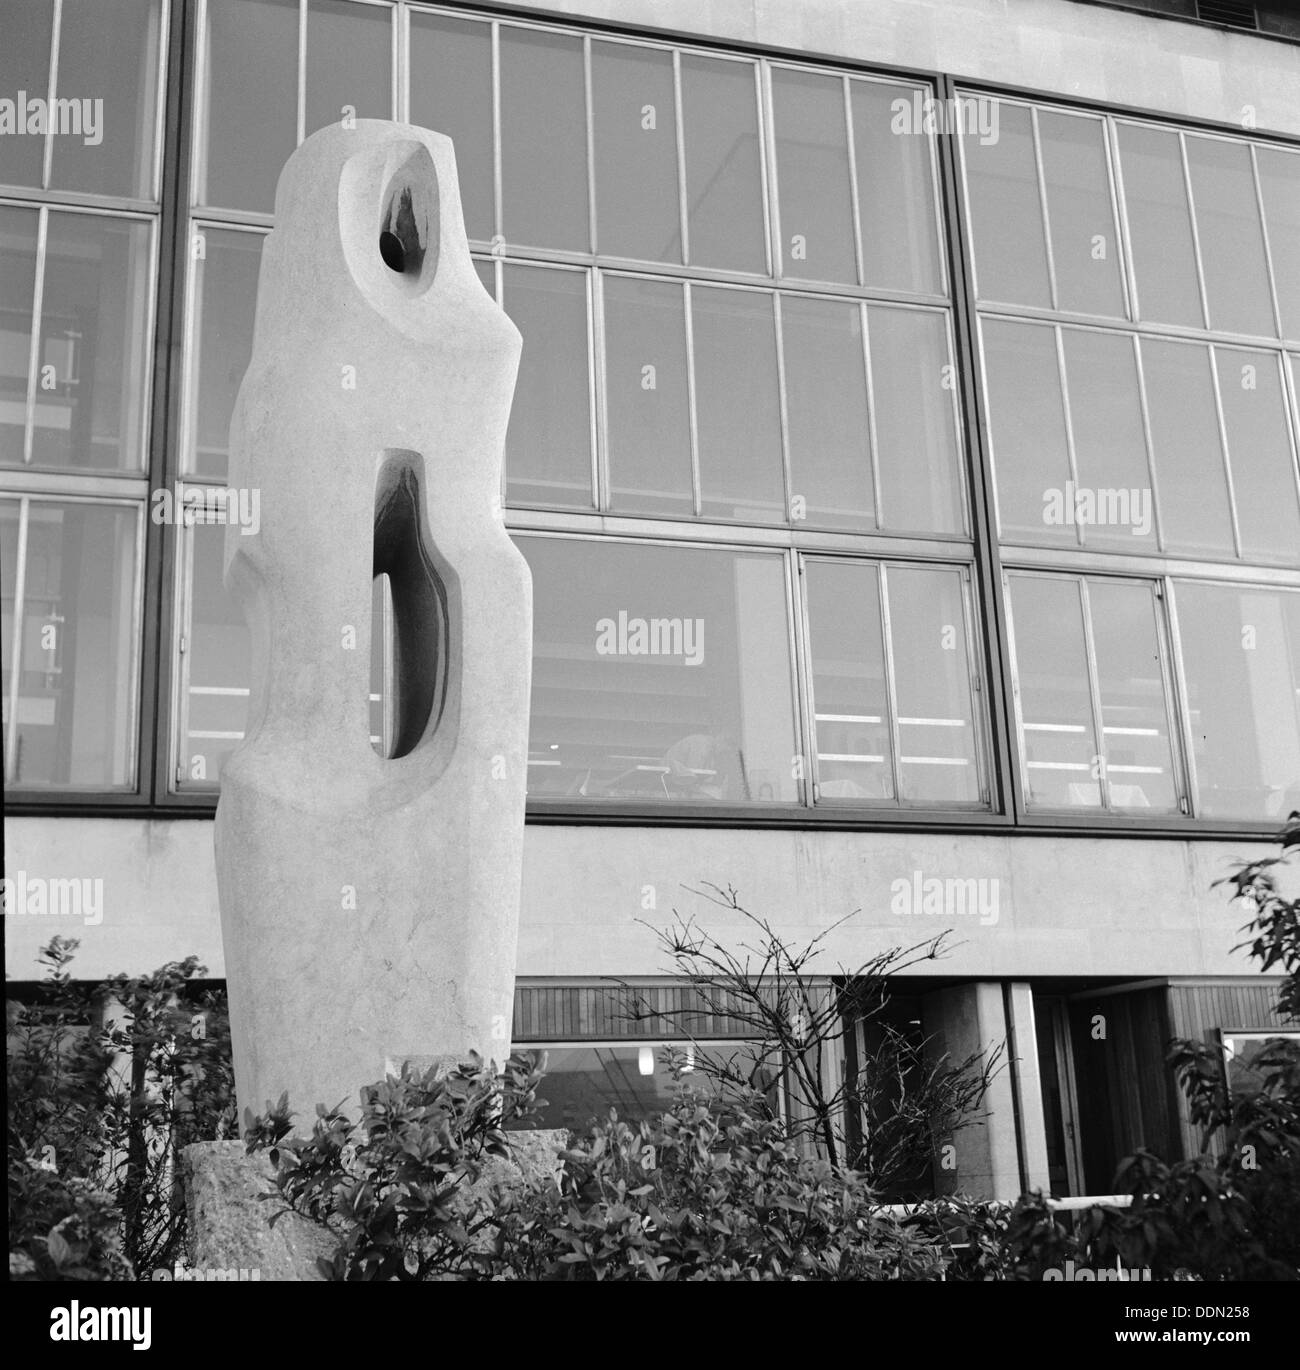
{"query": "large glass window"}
[(660, 673), (1092, 694), (894, 712), (1241, 662), (78, 264)]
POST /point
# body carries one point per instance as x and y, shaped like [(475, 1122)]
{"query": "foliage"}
[(392, 1185), (797, 1024), (105, 1084)]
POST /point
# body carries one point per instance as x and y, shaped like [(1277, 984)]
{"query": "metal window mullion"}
[(497, 195), (873, 449), (1183, 700), (588, 98), (891, 684), (1157, 594), (400, 75), (1119, 211), (1042, 205), (302, 72), (975, 691), (770, 188), (1150, 442), (160, 104), (1227, 454), (600, 478), (183, 647), (34, 343), (16, 649), (1069, 426), (801, 665), (851, 149), (783, 407), (47, 149), (1196, 234), (1291, 401), (958, 431), (199, 133), (936, 199), (1094, 690), (1018, 716), (689, 318), (1263, 230), (679, 123)]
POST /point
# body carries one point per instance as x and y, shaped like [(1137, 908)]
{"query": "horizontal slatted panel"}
[(564, 1013)]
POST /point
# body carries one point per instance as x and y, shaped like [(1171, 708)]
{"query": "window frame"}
[(174, 154)]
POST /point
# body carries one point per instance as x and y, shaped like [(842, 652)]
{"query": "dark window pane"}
[(349, 63), (738, 420), (252, 115), (1112, 503), (543, 140), (932, 679), (900, 248), (1134, 717), (1279, 183), (1160, 227), (451, 93), (79, 662), (225, 295), (218, 665), (1027, 428), (1058, 734), (1194, 510), (912, 390), (1259, 453), (812, 157), (723, 179), (1232, 243), (95, 323), (25, 65), (850, 696), (635, 131), (645, 386), (1241, 659), (1085, 253), (659, 673), (17, 295), (548, 445), (826, 406), (1005, 211), (109, 53)]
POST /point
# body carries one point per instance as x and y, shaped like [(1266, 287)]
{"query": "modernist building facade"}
[(904, 448)]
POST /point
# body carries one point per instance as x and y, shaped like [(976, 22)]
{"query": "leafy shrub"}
[(99, 1106)]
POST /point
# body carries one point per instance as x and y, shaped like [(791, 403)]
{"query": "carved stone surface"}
[(369, 906)]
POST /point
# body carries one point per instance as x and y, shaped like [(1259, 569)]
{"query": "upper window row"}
[(85, 79), (1211, 224), (590, 145)]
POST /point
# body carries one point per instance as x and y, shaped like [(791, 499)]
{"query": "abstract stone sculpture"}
[(369, 905)]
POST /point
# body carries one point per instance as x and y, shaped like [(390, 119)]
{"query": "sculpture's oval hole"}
[(392, 251), (406, 225), (419, 633)]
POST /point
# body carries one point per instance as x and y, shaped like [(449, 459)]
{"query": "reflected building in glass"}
[(904, 449)]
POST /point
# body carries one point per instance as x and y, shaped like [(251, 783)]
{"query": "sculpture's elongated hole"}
[(382, 693), (419, 633), (402, 237)]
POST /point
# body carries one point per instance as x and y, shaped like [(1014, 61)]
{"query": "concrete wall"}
[(1085, 51), (1076, 907)]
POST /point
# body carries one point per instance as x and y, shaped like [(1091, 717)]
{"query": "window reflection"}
[(70, 715), (1241, 654), (659, 673)]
